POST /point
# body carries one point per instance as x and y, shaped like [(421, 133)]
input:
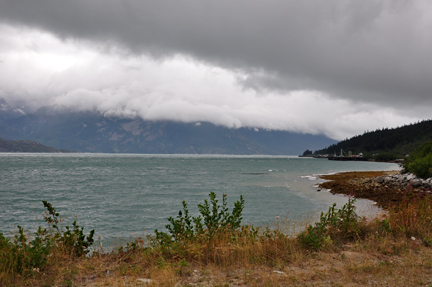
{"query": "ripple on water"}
[(122, 195)]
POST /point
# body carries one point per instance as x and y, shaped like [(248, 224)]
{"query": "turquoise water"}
[(122, 195)]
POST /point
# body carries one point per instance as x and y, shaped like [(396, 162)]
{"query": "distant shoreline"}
[(348, 158), (26, 146)]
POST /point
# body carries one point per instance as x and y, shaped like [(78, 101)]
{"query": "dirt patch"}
[(362, 185)]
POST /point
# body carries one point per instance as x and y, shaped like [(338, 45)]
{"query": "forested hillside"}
[(398, 141)]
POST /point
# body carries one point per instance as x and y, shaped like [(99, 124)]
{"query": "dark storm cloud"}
[(373, 50)]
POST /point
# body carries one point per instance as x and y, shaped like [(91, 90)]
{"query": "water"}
[(122, 195)]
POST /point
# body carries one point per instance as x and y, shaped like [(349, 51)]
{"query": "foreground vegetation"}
[(216, 249)]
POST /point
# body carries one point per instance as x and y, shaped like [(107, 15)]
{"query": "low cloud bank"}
[(38, 69)]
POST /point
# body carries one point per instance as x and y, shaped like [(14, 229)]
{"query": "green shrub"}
[(20, 255), (214, 219), (336, 224), (419, 162), (24, 255), (73, 239)]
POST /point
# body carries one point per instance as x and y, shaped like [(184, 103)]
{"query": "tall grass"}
[(214, 240), (413, 217)]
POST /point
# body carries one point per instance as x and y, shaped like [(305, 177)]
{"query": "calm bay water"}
[(122, 195)]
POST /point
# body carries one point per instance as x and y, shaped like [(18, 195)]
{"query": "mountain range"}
[(94, 132)]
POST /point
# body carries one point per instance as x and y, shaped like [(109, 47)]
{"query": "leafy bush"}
[(419, 162), (214, 219), (73, 239), (23, 255), (343, 223), (20, 255)]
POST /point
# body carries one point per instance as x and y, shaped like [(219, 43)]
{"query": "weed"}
[(412, 218), (72, 239), (343, 223), (186, 234), (25, 256), (20, 255), (214, 219), (385, 225), (216, 241)]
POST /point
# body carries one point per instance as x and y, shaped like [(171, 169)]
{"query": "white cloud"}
[(38, 69)]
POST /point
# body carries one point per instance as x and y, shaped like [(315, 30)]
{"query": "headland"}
[(386, 188)]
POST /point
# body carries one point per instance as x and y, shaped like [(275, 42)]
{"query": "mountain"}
[(9, 112), (398, 141), (93, 132), (26, 146)]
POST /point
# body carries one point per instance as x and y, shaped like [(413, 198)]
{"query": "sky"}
[(334, 67)]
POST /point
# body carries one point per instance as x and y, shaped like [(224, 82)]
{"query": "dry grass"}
[(393, 250), (352, 266)]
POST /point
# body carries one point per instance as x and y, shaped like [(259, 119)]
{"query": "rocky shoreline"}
[(386, 188)]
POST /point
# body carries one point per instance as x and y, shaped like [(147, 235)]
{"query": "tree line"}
[(396, 141)]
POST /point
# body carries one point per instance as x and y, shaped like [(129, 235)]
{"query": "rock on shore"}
[(404, 180), (386, 188)]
